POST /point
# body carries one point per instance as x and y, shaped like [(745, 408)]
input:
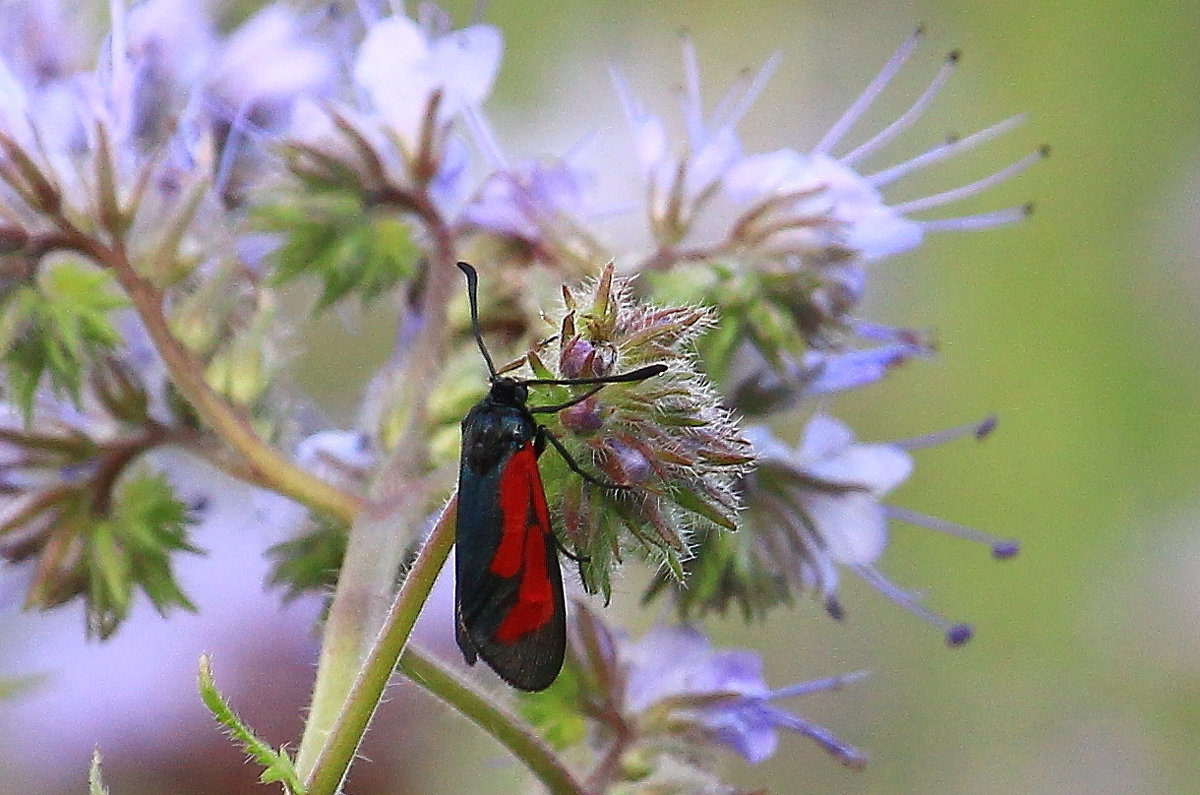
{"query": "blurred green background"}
[(1076, 327)]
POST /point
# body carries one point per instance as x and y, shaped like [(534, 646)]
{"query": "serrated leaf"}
[(277, 765), (352, 249), (133, 548), (56, 326), (312, 561)]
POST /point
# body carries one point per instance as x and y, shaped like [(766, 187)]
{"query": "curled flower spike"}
[(818, 206), (666, 438), (670, 692), (813, 509)]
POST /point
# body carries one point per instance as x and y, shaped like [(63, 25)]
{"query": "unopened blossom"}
[(817, 508), (666, 441)]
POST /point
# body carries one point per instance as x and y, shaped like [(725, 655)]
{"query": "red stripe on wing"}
[(522, 551)]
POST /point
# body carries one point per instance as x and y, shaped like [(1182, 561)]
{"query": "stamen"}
[(970, 189), (888, 134), (1002, 548), (869, 94), (817, 685), (952, 147), (848, 755), (956, 634), (690, 103), (631, 107), (731, 109), (979, 430), (1009, 215), (485, 137)]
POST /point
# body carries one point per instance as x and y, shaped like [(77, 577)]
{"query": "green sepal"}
[(277, 765)]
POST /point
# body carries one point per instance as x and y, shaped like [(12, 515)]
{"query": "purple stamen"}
[(889, 133), (869, 94), (485, 138), (964, 223), (731, 109), (818, 685), (979, 430), (848, 755), (970, 189), (952, 147), (1002, 548), (956, 633), (690, 102)]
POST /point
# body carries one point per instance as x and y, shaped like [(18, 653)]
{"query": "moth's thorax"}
[(494, 429)]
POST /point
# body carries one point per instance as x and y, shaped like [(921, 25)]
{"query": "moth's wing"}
[(509, 594)]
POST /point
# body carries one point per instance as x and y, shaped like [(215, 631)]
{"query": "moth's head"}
[(509, 392)]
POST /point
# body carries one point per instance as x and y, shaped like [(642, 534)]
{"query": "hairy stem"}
[(506, 727), (397, 501), (325, 774)]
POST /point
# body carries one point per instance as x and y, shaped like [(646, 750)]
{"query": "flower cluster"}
[(156, 204)]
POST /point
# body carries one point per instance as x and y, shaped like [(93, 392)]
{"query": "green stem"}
[(398, 501), (326, 773), (506, 727)]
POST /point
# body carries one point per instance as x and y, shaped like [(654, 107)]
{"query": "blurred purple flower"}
[(718, 697), (401, 68), (808, 204), (531, 202), (821, 505)]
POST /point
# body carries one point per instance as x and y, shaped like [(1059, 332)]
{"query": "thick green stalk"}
[(325, 773)]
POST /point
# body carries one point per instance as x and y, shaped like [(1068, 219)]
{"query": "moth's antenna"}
[(472, 281)]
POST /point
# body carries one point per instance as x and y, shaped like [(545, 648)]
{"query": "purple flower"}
[(717, 697), (758, 388), (820, 506), (533, 202), (401, 68), (678, 184), (808, 204)]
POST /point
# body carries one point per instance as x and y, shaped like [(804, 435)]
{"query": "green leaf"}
[(277, 765), (352, 249), (312, 561), (133, 547), (55, 327)]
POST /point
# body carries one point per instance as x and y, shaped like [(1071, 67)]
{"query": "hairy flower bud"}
[(667, 438)]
